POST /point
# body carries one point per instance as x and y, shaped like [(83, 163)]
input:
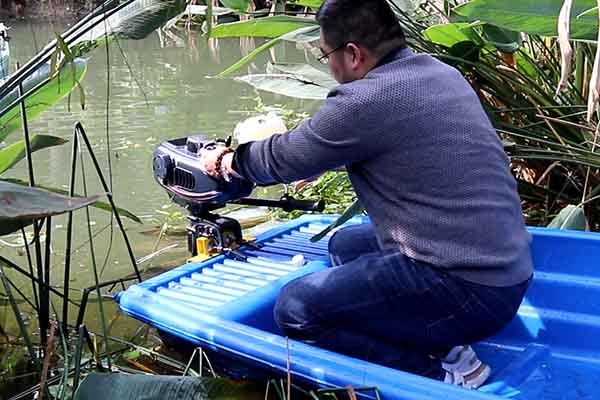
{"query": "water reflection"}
[(158, 89)]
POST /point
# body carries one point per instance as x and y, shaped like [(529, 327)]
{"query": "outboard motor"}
[(176, 168)]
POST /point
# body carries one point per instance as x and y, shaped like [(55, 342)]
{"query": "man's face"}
[(340, 62)]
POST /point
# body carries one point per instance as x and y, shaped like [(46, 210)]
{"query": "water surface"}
[(157, 89)]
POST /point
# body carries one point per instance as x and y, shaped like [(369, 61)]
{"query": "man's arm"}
[(343, 131)]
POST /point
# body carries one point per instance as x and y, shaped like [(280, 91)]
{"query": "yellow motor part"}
[(203, 250), (202, 246)]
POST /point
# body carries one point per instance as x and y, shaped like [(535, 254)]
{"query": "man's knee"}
[(339, 245), (291, 309), (351, 242), (333, 249)]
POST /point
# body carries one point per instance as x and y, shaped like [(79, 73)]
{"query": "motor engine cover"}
[(176, 166)]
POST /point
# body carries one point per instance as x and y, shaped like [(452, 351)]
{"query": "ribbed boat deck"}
[(210, 287)]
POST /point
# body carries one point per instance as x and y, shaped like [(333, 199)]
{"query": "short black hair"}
[(366, 22)]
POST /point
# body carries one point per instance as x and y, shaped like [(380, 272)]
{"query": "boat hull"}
[(549, 351)]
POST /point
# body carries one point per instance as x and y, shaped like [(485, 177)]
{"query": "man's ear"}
[(356, 54)]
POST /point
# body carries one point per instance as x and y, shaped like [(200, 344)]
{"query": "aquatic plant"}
[(61, 73), (514, 65)]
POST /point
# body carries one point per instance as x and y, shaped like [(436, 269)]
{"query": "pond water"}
[(158, 89)]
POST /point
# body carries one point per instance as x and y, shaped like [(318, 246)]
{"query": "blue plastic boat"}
[(550, 351)]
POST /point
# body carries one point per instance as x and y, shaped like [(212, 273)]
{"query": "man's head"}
[(355, 35)]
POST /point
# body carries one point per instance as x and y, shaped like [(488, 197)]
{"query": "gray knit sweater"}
[(424, 160)]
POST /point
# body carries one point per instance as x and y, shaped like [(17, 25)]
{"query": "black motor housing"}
[(176, 166)]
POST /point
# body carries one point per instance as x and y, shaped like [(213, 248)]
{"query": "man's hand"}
[(298, 185), (216, 160), (209, 157)]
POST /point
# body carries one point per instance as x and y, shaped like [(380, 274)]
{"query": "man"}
[(446, 259)]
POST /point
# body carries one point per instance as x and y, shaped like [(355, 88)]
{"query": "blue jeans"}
[(381, 306)]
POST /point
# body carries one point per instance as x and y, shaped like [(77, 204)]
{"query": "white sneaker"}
[(463, 368)]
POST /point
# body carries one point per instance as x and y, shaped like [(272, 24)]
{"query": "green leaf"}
[(130, 355), (467, 50), (287, 85), (249, 57), (532, 16), (68, 57), (209, 18), (302, 35), (503, 39), (60, 43), (304, 72), (135, 21), (101, 205), (355, 209), (98, 204), (526, 66), (15, 152), (571, 217), (238, 5), (98, 386), (315, 4), (53, 63), (270, 27), (448, 35), (59, 87), (305, 34), (591, 11), (20, 205)]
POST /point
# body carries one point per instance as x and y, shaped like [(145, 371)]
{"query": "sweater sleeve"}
[(342, 132)]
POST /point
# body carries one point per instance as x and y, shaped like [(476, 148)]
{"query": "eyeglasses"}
[(324, 59)]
